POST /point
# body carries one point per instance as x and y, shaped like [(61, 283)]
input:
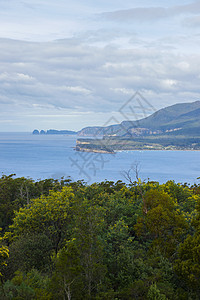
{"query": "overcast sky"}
[(70, 64)]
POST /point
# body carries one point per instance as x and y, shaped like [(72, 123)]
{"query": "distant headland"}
[(53, 131), (175, 127)]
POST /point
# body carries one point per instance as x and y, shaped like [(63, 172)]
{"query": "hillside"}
[(176, 127), (181, 116)]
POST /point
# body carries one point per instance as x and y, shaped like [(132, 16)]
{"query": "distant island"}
[(53, 131), (176, 127)]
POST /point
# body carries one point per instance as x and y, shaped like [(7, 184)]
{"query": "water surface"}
[(53, 156)]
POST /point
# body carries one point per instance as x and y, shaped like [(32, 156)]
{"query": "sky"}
[(71, 64)]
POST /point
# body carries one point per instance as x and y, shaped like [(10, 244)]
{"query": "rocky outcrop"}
[(53, 131)]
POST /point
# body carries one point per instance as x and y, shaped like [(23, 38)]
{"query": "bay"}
[(53, 156)]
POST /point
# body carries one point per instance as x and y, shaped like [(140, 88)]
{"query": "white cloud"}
[(123, 91), (76, 89), (16, 77), (169, 84)]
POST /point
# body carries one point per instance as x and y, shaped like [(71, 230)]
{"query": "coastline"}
[(119, 145), (79, 149)]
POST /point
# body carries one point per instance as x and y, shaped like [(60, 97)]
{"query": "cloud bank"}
[(71, 65)]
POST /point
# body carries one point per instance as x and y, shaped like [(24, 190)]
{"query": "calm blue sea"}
[(53, 156)]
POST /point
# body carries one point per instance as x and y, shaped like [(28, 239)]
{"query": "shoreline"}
[(131, 150)]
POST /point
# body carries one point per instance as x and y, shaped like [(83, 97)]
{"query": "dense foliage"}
[(69, 240)]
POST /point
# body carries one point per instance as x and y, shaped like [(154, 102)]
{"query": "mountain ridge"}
[(179, 115), (175, 127)]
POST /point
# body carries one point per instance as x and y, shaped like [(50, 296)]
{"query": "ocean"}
[(53, 156)]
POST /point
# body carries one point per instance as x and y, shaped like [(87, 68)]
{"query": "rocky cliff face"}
[(53, 131)]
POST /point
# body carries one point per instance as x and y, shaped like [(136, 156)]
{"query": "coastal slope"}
[(176, 127)]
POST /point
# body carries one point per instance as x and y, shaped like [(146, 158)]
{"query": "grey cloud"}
[(67, 76), (193, 8), (146, 14), (192, 22), (103, 36), (137, 14)]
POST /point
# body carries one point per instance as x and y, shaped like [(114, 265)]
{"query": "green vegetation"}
[(112, 144), (69, 240)]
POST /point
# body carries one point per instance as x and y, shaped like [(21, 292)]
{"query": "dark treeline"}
[(110, 240)]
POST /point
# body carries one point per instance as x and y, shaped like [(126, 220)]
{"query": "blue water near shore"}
[(53, 156)]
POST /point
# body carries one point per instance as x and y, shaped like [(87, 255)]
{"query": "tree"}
[(4, 254), (14, 193), (66, 282), (187, 266), (88, 225), (30, 251), (154, 293), (29, 286), (51, 215), (161, 222)]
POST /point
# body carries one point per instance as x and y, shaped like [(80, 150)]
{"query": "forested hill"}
[(109, 240), (183, 117)]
